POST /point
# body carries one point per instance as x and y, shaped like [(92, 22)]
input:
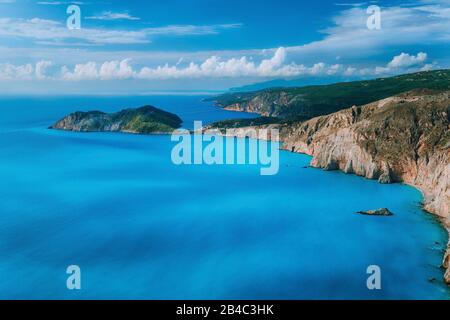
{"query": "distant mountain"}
[(311, 101), (282, 83), (144, 120)]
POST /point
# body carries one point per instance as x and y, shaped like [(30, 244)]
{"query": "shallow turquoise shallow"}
[(141, 227)]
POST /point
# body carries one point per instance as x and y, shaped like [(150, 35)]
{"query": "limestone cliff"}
[(405, 138)]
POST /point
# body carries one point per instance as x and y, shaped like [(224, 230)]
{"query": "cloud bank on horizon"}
[(118, 46), (212, 67)]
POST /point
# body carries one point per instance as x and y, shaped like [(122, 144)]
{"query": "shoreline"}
[(284, 146), (399, 139), (445, 262)]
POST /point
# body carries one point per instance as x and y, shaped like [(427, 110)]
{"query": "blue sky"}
[(138, 47)]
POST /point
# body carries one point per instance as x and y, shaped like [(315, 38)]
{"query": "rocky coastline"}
[(404, 138)]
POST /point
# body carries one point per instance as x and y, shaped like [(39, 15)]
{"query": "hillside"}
[(311, 101), (144, 120)]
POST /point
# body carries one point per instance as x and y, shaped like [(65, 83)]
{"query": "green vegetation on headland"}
[(237, 123), (307, 102), (144, 120)]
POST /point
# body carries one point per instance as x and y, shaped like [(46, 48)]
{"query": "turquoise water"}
[(140, 227)]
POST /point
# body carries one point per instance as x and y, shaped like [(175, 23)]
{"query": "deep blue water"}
[(141, 227)]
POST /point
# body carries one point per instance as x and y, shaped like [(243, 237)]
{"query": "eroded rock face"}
[(446, 264), (446, 261), (265, 104), (405, 138)]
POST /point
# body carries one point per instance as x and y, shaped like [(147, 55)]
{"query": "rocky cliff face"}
[(405, 138), (266, 103), (144, 120)]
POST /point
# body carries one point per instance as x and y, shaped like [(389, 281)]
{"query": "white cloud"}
[(334, 69), (87, 71), (49, 30), (406, 60), (181, 30), (351, 4), (57, 3), (428, 67), (109, 15), (318, 68), (350, 71), (421, 23), (349, 37), (27, 71), (213, 67), (56, 32), (41, 68), (11, 72), (276, 61), (116, 70)]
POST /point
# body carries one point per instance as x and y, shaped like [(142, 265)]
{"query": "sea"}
[(138, 226)]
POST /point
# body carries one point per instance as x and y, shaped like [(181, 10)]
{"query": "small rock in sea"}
[(432, 280), (378, 212)]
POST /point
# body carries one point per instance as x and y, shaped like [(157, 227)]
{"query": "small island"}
[(379, 212), (143, 120)]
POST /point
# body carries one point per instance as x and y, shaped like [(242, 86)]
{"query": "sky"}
[(175, 46)]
